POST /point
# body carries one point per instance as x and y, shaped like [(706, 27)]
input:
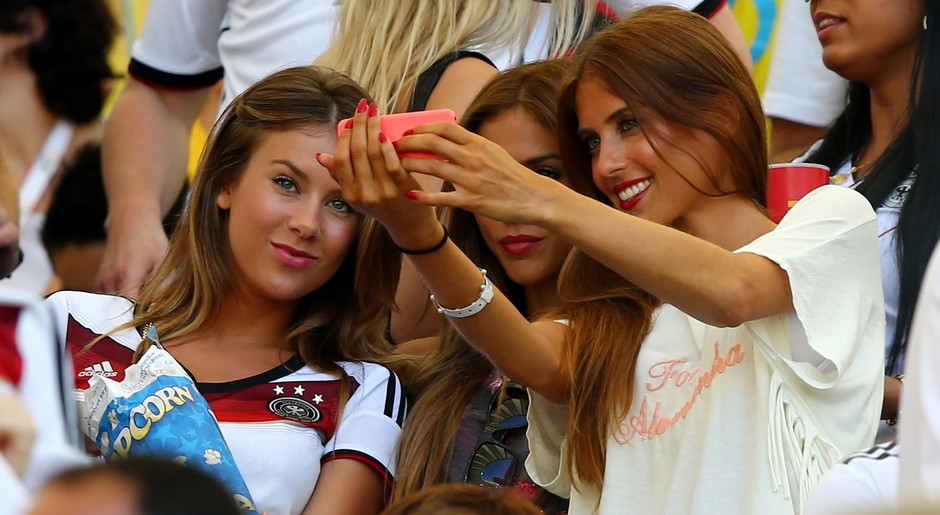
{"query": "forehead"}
[(594, 100), (519, 133)]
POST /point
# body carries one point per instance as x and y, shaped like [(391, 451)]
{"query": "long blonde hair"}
[(448, 377), (345, 318), (385, 44), (673, 64)]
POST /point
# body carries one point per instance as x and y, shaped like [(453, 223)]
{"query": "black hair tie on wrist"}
[(422, 252)]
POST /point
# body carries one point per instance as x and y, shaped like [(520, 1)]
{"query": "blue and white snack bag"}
[(157, 411)]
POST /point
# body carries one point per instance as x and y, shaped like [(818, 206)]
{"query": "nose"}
[(304, 220), (609, 160)]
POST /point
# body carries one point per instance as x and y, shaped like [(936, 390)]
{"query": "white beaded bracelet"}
[(486, 295)]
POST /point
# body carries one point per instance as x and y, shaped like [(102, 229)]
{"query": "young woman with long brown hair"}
[(272, 301), (468, 423), (697, 365)]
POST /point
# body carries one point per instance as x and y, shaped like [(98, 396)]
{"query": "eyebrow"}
[(532, 161), (293, 168), (612, 117)]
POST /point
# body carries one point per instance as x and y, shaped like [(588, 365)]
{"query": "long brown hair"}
[(453, 372), (672, 64), (342, 320)]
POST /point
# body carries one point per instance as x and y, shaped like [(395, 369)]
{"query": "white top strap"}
[(44, 167)]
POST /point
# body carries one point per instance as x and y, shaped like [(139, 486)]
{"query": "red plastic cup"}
[(787, 183)]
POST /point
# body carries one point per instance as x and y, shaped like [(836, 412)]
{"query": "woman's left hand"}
[(487, 180), (367, 168)]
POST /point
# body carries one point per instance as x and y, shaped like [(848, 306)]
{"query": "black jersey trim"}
[(164, 80), (288, 367), (708, 8)]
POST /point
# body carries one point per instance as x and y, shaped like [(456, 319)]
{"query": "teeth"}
[(827, 22), (634, 190)]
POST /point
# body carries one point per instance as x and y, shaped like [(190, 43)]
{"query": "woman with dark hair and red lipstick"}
[(459, 394), (704, 360)]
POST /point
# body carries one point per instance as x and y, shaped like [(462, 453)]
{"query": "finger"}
[(431, 143), (358, 145), (377, 160), (328, 161), (435, 168), (439, 199), (344, 173), (447, 130), (403, 180)]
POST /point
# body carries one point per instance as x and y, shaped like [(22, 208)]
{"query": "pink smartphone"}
[(394, 125)]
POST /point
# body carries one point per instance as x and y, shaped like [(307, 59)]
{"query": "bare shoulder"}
[(460, 83)]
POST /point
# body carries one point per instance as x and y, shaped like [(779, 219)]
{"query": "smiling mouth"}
[(626, 195)]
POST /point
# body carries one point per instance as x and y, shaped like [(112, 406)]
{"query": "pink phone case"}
[(394, 125)]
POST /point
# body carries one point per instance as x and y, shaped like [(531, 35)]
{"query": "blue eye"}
[(592, 143), (340, 205), (548, 171), (627, 124), (286, 183)]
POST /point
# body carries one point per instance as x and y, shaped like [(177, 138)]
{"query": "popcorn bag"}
[(157, 411)]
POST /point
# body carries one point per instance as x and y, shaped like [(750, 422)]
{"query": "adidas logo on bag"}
[(102, 369)]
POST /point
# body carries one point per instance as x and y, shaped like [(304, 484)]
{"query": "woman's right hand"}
[(367, 168)]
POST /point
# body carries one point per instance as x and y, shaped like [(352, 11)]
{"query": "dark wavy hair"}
[(915, 145), (70, 59)]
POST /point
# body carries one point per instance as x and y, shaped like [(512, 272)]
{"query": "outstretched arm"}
[(144, 155), (703, 279), (373, 180)]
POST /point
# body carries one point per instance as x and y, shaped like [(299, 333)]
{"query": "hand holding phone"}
[(395, 125)]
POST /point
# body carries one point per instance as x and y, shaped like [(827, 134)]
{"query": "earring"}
[(925, 22)]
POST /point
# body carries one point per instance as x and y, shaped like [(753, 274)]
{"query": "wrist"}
[(135, 216), (421, 242)]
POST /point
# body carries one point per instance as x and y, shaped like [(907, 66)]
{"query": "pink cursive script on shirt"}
[(670, 373)]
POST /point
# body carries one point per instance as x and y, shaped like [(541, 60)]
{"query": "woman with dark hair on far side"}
[(695, 365), (53, 72), (880, 145), (468, 422)]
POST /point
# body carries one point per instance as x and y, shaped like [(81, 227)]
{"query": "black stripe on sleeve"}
[(390, 395), (374, 464), (402, 407), (708, 8), (164, 80)]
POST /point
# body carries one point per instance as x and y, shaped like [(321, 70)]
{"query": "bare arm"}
[(144, 155), (726, 23), (789, 139), (372, 179), (346, 487), (459, 85), (702, 279)]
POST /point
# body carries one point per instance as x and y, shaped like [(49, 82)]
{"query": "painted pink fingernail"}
[(373, 110), (382, 137), (413, 195), (363, 105), (408, 132)]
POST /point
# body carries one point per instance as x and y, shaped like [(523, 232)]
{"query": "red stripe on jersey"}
[(313, 404), (361, 457), (106, 357), (11, 363)]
